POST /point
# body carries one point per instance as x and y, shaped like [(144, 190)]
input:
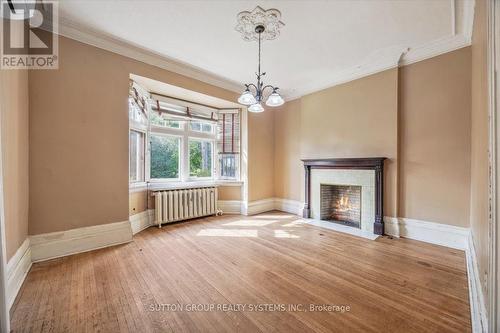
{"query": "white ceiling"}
[(322, 43)]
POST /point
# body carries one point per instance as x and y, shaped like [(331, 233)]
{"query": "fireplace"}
[(341, 204), (361, 180)]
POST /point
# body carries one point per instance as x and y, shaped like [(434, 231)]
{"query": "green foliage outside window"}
[(164, 157), (161, 120), (200, 158)]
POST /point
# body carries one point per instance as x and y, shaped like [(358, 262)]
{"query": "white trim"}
[(92, 37), (268, 204), (141, 221), (63, 243), (493, 74), (17, 270), (4, 308), (228, 183), (289, 206), (379, 61), (479, 319), (260, 206), (430, 232), (434, 48), (229, 206), (158, 186)]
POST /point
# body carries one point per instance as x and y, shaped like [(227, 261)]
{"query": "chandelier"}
[(254, 26)]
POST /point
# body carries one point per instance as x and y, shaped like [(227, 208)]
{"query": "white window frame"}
[(142, 128), (214, 173), (181, 155), (238, 178), (141, 157)]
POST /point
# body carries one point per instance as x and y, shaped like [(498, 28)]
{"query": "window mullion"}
[(185, 155)]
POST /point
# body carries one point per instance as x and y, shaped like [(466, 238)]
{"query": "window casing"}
[(136, 156)]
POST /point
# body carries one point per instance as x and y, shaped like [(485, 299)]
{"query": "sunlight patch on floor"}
[(284, 234), (296, 223), (278, 217), (251, 223), (228, 233)]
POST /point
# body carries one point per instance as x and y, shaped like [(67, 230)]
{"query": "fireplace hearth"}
[(341, 204)]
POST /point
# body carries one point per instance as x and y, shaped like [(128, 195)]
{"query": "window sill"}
[(137, 187), (158, 186)]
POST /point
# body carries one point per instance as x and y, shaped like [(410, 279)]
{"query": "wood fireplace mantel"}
[(369, 163)]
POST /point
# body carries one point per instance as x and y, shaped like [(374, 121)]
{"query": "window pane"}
[(162, 120), (228, 165), (135, 113), (164, 156), (199, 126), (200, 158), (136, 156)]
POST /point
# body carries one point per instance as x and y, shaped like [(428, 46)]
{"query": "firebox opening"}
[(341, 204)]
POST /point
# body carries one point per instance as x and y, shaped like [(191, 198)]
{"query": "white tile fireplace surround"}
[(363, 178)]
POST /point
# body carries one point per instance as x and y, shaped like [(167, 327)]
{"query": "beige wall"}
[(355, 119), (435, 139), (79, 136), (287, 165), (14, 128), (417, 116), (138, 202), (229, 192), (479, 143), (260, 155)]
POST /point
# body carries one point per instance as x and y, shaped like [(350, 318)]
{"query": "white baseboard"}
[(476, 298), (17, 269), (141, 221), (430, 232), (289, 206), (260, 206), (63, 243), (266, 205), (229, 206)]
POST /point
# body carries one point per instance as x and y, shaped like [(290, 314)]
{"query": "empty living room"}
[(250, 166)]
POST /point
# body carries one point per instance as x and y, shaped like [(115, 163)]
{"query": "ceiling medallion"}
[(254, 26), (269, 19)]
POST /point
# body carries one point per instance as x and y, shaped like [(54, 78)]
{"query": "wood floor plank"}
[(248, 274)]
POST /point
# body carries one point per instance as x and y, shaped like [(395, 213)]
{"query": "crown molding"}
[(400, 55), (109, 43), (386, 59), (379, 61), (434, 48)]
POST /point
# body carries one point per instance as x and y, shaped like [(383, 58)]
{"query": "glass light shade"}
[(247, 98), (274, 100), (257, 107)]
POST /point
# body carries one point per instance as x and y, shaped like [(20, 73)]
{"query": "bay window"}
[(180, 141)]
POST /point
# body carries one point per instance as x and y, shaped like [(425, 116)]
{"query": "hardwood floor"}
[(268, 263)]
